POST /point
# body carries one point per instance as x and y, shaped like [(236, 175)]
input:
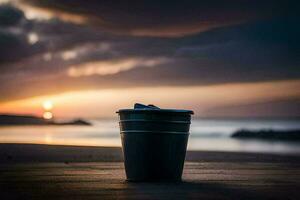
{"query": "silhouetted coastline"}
[(6, 120), (289, 135)]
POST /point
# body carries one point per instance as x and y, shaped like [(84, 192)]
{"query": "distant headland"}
[(288, 135), (6, 120)]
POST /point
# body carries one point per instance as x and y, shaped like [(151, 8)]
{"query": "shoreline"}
[(27, 120), (26, 153)]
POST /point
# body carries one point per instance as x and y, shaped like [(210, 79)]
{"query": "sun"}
[(47, 105)]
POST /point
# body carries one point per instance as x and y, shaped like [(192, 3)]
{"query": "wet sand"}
[(61, 172)]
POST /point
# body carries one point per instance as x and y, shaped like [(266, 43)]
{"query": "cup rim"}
[(179, 111)]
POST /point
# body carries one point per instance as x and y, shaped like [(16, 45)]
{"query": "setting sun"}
[(47, 105)]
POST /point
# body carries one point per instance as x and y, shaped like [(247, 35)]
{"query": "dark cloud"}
[(260, 50), (10, 15), (14, 47), (51, 35), (13, 37), (162, 18)]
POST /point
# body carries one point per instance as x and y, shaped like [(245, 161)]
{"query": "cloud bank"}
[(112, 44), (160, 18)]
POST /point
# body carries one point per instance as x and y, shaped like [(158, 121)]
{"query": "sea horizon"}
[(205, 134)]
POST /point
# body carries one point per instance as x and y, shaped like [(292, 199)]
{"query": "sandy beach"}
[(29, 171), (28, 153)]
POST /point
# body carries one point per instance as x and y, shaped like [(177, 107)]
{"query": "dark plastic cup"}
[(154, 143)]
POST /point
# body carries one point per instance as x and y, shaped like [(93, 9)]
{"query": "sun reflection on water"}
[(48, 139), (47, 115)]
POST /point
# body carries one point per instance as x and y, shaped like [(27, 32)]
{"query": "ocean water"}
[(205, 134)]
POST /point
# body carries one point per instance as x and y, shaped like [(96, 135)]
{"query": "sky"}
[(90, 58)]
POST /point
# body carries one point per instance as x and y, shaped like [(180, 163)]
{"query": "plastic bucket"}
[(154, 143)]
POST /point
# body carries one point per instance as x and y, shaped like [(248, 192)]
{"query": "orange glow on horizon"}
[(104, 103)]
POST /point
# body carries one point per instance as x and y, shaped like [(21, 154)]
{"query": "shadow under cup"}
[(154, 143)]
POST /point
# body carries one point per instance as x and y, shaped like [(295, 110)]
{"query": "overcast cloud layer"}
[(113, 44)]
